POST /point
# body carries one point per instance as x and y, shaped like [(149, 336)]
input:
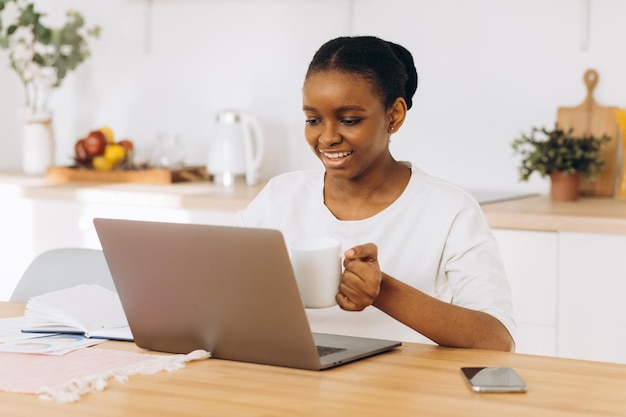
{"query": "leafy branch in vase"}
[(42, 56)]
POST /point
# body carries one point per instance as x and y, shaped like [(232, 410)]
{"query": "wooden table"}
[(415, 380)]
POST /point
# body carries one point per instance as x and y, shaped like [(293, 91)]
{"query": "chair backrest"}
[(62, 268)]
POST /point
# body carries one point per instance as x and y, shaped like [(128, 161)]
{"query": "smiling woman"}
[(420, 262), (349, 129)]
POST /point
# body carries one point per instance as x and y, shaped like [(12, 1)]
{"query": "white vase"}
[(37, 143)]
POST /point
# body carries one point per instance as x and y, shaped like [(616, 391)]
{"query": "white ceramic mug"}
[(317, 266)]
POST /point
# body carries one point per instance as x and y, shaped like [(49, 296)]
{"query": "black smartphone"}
[(493, 379)]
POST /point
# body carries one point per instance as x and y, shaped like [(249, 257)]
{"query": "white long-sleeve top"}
[(434, 237)]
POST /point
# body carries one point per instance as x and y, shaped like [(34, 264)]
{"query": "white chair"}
[(62, 268)]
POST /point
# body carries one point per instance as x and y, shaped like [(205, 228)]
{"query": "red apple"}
[(95, 142), (80, 153), (126, 143)]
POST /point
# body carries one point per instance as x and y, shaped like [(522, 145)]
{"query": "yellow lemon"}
[(100, 163), (108, 134), (114, 153)]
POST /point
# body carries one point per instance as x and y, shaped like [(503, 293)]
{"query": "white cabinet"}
[(16, 243), (568, 292), (66, 223), (530, 260), (592, 295)]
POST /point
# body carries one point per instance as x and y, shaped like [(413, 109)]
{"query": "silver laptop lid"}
[(228, 290)]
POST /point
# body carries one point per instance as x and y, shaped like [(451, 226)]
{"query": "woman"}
[(419, 257)]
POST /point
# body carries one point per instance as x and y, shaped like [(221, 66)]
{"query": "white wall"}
[(488, 70)]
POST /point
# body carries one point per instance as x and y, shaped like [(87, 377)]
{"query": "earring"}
[(391, 128)]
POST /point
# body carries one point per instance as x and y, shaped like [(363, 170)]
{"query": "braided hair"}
[(388, 67)]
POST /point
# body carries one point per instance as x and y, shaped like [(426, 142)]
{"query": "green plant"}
[(558, 150), (41, 55)]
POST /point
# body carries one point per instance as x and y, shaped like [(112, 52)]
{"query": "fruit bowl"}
[(99, 157), (100, 151)]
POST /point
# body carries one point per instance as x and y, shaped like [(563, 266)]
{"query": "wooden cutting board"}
[(591, 118), (145, 176)]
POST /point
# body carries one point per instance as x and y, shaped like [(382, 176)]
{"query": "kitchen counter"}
[(591, 214), (184, 195), (539, 213)]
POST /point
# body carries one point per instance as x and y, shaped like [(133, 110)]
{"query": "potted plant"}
[(563, 157), (42, 56)]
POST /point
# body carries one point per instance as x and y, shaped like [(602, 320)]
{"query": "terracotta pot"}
[(564, 187)]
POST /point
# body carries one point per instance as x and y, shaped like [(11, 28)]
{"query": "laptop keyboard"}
[(327, 350)]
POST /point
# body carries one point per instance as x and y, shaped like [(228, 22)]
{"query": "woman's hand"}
[(360, 282), (363, 284)]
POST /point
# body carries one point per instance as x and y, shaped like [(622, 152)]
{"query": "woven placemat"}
[(65, 378)]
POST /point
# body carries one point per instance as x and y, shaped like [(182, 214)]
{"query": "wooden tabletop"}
[(415, 380)]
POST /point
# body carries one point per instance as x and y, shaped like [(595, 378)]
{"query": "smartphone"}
[(493, 379)]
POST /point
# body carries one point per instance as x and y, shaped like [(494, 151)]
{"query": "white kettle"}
[(236, 148)]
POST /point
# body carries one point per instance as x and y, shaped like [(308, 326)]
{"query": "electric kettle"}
[(236, 148)]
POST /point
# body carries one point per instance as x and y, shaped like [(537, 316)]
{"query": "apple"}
[(127, 143), (80, 153), (95, 143)]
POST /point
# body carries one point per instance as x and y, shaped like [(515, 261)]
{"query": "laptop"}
[(228, 290)]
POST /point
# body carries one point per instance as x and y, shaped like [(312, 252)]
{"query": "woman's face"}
[(346, 123)]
